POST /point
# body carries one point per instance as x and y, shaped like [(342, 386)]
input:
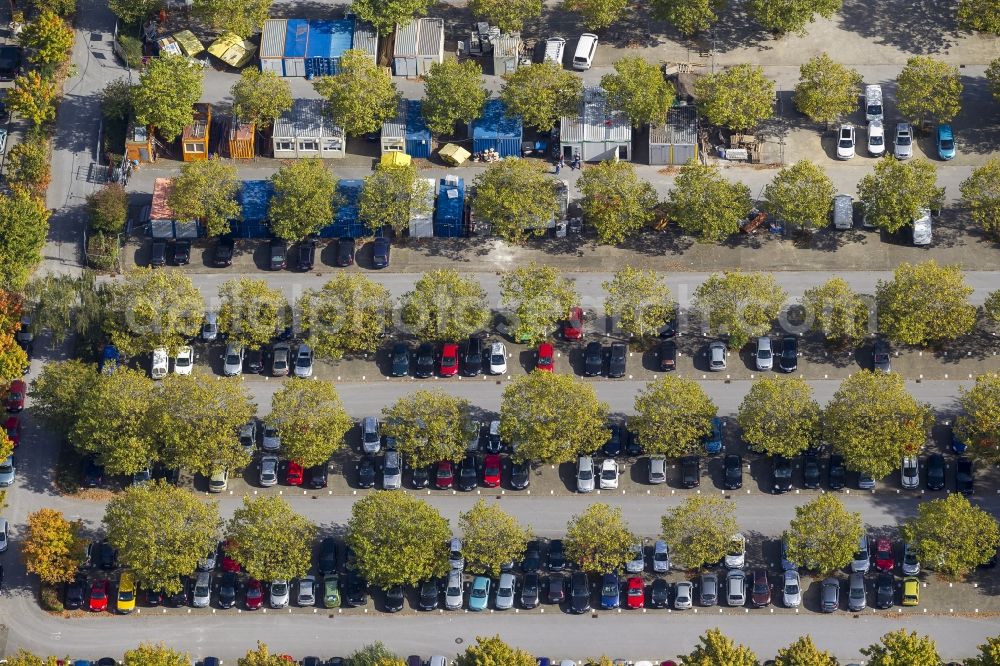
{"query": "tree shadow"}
[(921, 27)]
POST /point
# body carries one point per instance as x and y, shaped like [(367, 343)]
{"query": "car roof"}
[(449, 347), (944, 131)]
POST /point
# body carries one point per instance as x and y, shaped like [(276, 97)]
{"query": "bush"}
[(108, 207), (132, 48), (103, 251), (50, 599), (28, 164), (116, 99)]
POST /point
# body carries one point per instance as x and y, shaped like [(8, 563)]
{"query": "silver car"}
[(505, 592), (661, 557), (307, 591), (8, 472), (830, 595), (903, 145), (392, 471), (764, 356), (911, 563), (453, 590), (717, 356), (268, 471), (210, 327), (270, 439), (455, 558), (304, 361), (909, 472), (736, 594), (280, 354), (862, 559), (657, 470), (279, 593), (201, 595), (371, 440), (791, 590), (709, 585), (637, 559), (856, 595), (232, 362), (683, 595), (585, 474)]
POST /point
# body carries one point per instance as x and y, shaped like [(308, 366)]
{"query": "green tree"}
[(444, 305), (112, 422), (304, 199), (925, 304), (739, 97), (250, 312), (638, 88), (873, 422), (539, 296), (260, 97), (206, 190), (197, 421), (13, 360), (384, 15), (826, 90), (33, 97), (699, 530), (261, 656), (151, 308), (161, 532), (168, 88), (780, 416), (705, 204), (24, 658), (28, 164), (979, 15), (391, 196), (149, 654), (108, 208), (824, 535), (349, 314), (311, 419), (398, 539), (517, 197), (993, 77), (58, 391), (952, 536), (491, 538), (801, 194), (898, 648), (542, 93), (116, 99), (134, 11), (48, 40), (740, 305), (615, 200), (791, 16), (596, 14), (493, 651), (991, 307), (716, 648), (53, 547), (374, 654), (532, 418), (453, 92), (24, 226), (639, 299), (361, 96), (928, 89), (269, 539), (599, 539), (242, 17), (673, 415), (508, 15), (63, 304), (979, 422), (803, 652), (689, 16), (836, 311), (981, 195), (989, 654), (428, 426)]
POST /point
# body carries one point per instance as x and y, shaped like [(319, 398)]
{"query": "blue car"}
[(945, 142), (957, 445), (479, 593), (610, 591), (110, 360), (713, 442)]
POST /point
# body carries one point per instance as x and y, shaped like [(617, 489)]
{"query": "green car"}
[(331, 591)]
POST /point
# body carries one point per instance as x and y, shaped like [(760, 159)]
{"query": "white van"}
[(843, 211), (922, 231), (873, 103), (554, 48), (585, 50)]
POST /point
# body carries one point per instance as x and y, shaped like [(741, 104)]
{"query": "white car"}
[(3, 535), (8, 472), (791, 591), (219, 482), (307, 591), (453, 590), (909, 472), (304, 361), (637, 559), (279, 593), (505, 592), (903, 145), (911, 563), (158, 368), (876, 138), (586, 48), (609, 474), (683, 595), (270, 439), (764, 355), (268, 471), (184, 361), (455, 558), (498, 358), (737, 552), (232, 361), (584, 474), (845, 142), (661, 557)]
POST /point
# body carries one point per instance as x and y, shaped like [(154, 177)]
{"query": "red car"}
[(293, 476), (449, 360), (573, 326), (255, 594), (884, 560), (13, 428), (444, 475), (228, 563), (491, 470), (15, 396), (99, 596), (546, 358), (636, 594)]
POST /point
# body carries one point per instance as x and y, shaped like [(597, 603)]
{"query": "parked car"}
[(903, 144), (585, 474), (635, 593), (98, 601), (222, 256), (380, 252), (126, 592), (426, 360), (498, 358), (472, 361), (278, 254), (16, 393), (713, 440), (399, 359), (661, 557), (610, 591), (491, 470), (763, 357), (453, 590), (545, 361), (520, 475), (781, 474), (278, 593), (158, 253), (479, 593), (690, 471), (836, 472), (735, 556), (468, 473), (789, 359), (911, 563), (666, 354), (280, 359), (881, 360), (74, 596), (791, 590), (636, 561), (733, 471), (617, 359), (911, 591), (371, 438), (945, 146), (857, 595), (555, 589), (557, 555), (268, 471), (876, 138), (736, 588), (830, 595), (304, 361), (529, 590), (428, 597), (884, 590), (845, 142), (579, 597), (201, 594), (232, 360), (448, 366), (184, 360), (810, 471), (159, 363), (609, 474), (964, 476), (331, 591), (228, 588), (253, 360), (760, 594), (8, 472), (316, 476), (716, 356), (683, 595), (659, 593), (573, 325), (294, 473), (345, 252), (909, 472), (210, 327), (862, 556), (934, 478), (219, 481), (593, 359), (708, 585), (657, 469), (586, 48), (444, 475)]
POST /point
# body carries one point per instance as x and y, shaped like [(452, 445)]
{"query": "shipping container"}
[(365, 39), (345, 219), (255, 202), (328, 39), (394, 131), (296, 44), (676, 140), (598, 132), (306, 131), (418, 137), (506, 53), (195, 138), (495, 130), (419, 44), (449, 214), (272, 46), (422, 215)]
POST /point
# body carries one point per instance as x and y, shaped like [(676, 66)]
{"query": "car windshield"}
[(492, 470), (279, 588), (444, 472), (454, 591), (764, 353), (791, 588), (586, 475), (305, 360), (947, 144), (858, 592), (183, 360), (201, 590), (126, 595), (6, 467), (232, 359), (609, 473), (782, 471), (903, 139), (875, 139), (97, 593), (910, 470), (760, 588), (610, 589), (479, 592), (660, 557)]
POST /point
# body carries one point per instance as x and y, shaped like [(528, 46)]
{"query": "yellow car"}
[(126, 592), (911, 591)]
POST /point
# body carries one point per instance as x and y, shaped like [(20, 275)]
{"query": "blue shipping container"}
[(255, 199), (345, 220), (297, 38), (327, 42), (449, 214), (418, 137), (495, 130)]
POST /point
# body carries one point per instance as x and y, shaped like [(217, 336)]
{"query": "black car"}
[(93, 474), (158, 253), (788, 360), (107, 556), (690, 471), (555, 589), (75, 595), (613, 447), (11, 62), (225, 247), (326, 558), (394, 599), (472, 361), (468, 473), (178, 599), (884, 590), (579, 594), (278, 254), (557, 555), (491, 438), (881, 360), (633, 447), (935, 472), (228, 585), (593, 359), (182, 252), (155, 598), (425, 360), (529, 590), (617, 359), (355, 589), (366, 472), (253, 360), (532, 556), (520, 475), (781, 474), (837, 472), (733, 475), (429, 594), (316, 476), (380, 252), (420, 477), (667, 355), (345, 252), (964, 476), (307, 254), (810, 471), (659, 593), (400, 359)]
